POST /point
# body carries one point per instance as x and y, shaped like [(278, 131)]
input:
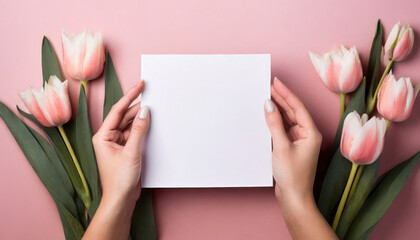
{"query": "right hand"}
[(117, 147)]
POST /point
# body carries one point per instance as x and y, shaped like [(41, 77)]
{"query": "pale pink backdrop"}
[(287, 29)]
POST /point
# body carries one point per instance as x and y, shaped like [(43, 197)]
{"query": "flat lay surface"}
[(285, 29)]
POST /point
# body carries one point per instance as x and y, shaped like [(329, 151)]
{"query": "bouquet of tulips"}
[(350, 199), (66, 163)]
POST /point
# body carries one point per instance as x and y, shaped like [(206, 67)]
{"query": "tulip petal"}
[(32, 105), (385, 103), (352, 124), (350, 75), (410, 98), (392, 37), (95, 56), (325, 69), (381, 130), (364, 146), (316, 60), (404, 45)]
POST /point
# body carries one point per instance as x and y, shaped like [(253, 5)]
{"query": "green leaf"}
[(380, 199), (57, 142), (113, 91), (37, 158), (355, 202), (86, 153), (49, 61), (142, 223), (357, 103), (339, 169), (374, 65), (81, 210), (71, 226), (333, 185), (55, 161)]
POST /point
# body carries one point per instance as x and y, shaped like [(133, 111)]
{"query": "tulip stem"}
[(88, 200), (342, 104), (344, 196), (356, 180), (372, 102), (84, 83), (388, 123)]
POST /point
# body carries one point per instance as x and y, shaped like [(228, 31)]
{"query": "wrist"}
[(118, 205), (296, 202)]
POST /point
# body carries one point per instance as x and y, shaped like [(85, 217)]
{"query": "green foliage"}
[(380, 199), (374, 65), (49, 61), (86, 153), (113, 91), (48, 168), (60, 148), (355, 202)]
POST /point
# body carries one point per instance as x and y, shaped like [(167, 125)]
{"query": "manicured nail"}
[(139, 83), (144, 112), (269, 106)]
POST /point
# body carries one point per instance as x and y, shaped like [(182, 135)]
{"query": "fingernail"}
[(144, 112), (139, 83), (269, 106)]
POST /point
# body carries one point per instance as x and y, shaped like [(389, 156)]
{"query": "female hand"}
[(117, 147), (296, 145)]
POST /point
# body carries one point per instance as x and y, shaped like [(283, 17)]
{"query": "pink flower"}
[(396, 98), (51, 106), (340, 69), (400, 42), (84, 55), (362, 141)]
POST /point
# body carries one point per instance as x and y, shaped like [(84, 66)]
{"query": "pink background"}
[(286, 29)]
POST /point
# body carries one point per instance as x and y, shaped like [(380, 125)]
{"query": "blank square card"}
[(207, 121)]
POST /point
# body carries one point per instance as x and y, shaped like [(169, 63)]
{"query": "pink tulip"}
[(340, 69), (399, 43), (362, 141), (51, 106), (84, 55), (396, 98)]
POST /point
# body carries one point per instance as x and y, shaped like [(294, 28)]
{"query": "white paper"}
[(207, 121)]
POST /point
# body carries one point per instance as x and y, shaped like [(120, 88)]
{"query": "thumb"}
[(138, 129), (275, 124)]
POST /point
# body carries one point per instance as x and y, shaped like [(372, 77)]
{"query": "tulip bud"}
[(84, 55), (340, 69), (51, 106), (362, 141), (396, 98), (399, 43)]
